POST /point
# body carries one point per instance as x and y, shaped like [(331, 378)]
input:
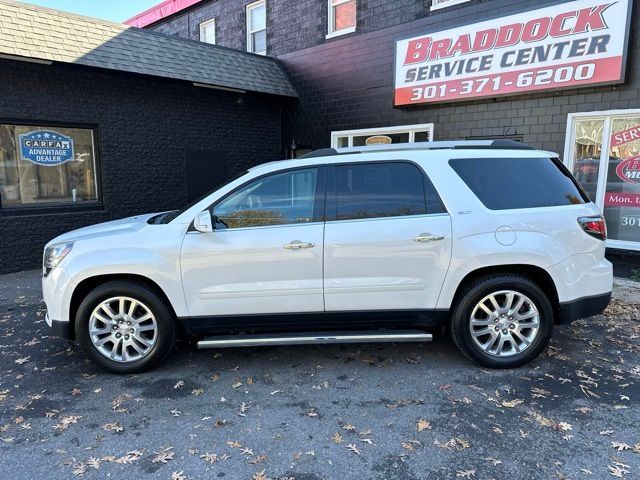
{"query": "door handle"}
[(427, 237), (298, 245)]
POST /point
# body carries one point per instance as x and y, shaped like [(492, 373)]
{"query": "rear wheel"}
[(125, 327), (503, 321)]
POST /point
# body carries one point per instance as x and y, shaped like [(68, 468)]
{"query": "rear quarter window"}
[(510, 183)]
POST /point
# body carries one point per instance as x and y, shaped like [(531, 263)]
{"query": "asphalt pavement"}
[(396, 411)]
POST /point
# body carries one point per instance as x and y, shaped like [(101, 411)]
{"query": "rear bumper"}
[(583, 307)]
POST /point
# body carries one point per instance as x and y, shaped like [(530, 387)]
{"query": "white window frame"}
[(569, 149), (410, 129), (438, 4), (250, 32), (204, 25), (332, 32)]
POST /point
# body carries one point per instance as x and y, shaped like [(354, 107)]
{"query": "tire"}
[(500, 321), (152, 323)]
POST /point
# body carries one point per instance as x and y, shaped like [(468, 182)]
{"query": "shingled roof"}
[(45, 34)]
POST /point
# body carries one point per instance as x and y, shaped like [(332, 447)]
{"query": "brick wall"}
[(144, 126), (348, 84), (291, 25)]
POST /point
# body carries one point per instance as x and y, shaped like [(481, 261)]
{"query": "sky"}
[(114, 10)]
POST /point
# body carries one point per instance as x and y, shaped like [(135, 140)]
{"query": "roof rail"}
[(454, 145), (323, 152)]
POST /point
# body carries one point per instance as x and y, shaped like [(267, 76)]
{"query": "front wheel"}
[(503, 321), (125, 327)]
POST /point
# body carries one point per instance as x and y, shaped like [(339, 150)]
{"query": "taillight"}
[(594, 226)]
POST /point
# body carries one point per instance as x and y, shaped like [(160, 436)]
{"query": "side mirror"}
[(202, 222)]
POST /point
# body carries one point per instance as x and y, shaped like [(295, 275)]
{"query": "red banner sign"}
[(621, 199), (626, 136), (568, 45)]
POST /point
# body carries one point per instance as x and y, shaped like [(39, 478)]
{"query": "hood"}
[(106, 229)]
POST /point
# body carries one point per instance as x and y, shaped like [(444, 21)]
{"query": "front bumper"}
[(583, 307), (60, 329), (57, 288)]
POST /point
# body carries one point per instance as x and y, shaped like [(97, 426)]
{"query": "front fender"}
[(161, 267)]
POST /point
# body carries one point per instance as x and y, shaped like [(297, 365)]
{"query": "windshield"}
[(167, 217)]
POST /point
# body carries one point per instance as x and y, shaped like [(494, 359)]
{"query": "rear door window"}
[(382, 190), (510, 183)]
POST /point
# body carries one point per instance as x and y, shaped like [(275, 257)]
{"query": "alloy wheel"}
[(504, 323), (123, 329)]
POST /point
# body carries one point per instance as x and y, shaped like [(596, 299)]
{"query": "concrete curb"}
[(626, 290)]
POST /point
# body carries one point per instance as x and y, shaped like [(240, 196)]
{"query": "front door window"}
[(281, 199)]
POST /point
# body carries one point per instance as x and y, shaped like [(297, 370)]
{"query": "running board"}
[(315, 338)]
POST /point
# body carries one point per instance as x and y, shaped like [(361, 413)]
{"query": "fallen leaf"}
[(618, 470), (620, 446), (210, 457), (258, 459), (260, 476), (164, 456), (352, 448), (423, 425), (465, 473), (116, 427)]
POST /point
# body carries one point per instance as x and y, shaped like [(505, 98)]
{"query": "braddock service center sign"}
[(569, 45)]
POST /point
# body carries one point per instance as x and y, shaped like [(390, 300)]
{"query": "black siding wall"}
[(145, 127), (347, 82)]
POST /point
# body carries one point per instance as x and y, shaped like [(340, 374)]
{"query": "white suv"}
[(492, 239)]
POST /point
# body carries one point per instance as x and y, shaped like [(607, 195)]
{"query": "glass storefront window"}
[(586, 153), (622, 192), (42, 165), (603, 152)]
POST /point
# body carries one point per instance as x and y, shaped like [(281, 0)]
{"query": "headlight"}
[(54, 254)]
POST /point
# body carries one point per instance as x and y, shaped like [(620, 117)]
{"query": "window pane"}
[(422, 136), (344, 15), (259, 41), (379, 190), (258, 18), (46, 165), (586, 157), (279, 199), (622, 194), (507, 183), (361, 140), (208, 33), (343, 142)]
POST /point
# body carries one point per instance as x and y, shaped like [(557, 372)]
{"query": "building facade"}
[(565, 77), (105, 136), (99, 121)]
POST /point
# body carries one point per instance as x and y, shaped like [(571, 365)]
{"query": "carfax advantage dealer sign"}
[(569, 45)]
